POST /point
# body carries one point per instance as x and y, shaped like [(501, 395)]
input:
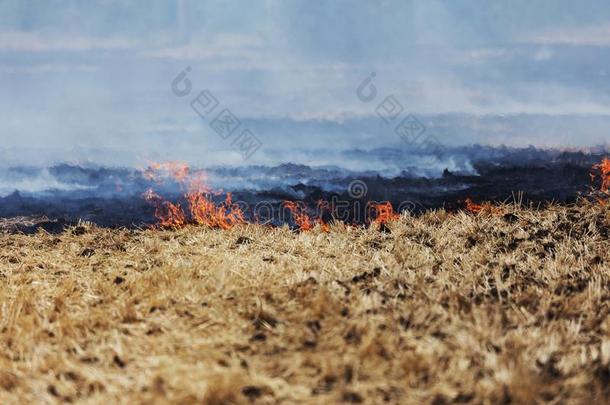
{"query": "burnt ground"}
[(113, 197), (558, 182)]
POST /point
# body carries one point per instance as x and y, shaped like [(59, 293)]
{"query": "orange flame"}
[(604, 173), (205, 212), (485, 208), (157, 172), (202, 209), (299, 215), (473, 207), (384, 212), (169, 215), (302, 219)]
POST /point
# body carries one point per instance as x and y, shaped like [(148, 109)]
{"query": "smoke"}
[(93, 84)]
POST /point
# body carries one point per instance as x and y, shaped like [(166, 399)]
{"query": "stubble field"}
[(508, 306)]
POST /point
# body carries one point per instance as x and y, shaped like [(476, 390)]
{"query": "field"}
[(509, 305)]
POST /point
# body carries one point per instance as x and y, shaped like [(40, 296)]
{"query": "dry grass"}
[(445, 308)]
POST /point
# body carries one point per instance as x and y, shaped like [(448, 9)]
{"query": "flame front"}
[(202, 210), (302, 219), (484, 208), (473, 207), (169, 215), (602, 170), (198, 195), (205, 212), (384, 212)]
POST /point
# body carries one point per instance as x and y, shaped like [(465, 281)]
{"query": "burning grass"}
[(203, 210), (601, 175), (439, 308)]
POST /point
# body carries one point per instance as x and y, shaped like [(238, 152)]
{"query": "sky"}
[(92, 80)]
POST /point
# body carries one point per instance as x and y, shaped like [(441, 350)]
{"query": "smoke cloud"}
[(92, 82)]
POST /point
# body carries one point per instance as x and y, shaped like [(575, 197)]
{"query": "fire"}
[(384, 212), (158, 172), (299, 215), (202, 209), (205, 212), (485, 208), (169, 215), (302, 219), (604, 173), (473, 207), (601, 170)]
